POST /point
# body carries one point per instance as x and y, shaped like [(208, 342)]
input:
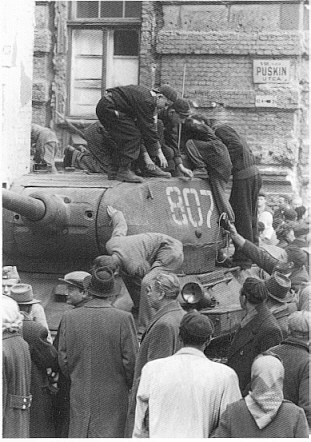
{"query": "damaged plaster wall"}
[(17, 29)]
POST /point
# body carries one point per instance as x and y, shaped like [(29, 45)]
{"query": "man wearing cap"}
[(257, 332), (280, 300), (294, 352), (129, 114), (292, 266), (139, 257), (169, 119), (183, 395), (161, 336), (97, 348), (43, 358), (77, 296), (10, 277)]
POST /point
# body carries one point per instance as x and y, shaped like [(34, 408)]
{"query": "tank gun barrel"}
[(29, 207)]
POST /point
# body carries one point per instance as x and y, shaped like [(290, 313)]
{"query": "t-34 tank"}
[(57, 223)]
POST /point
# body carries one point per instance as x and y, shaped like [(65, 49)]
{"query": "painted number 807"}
[(182, 210)]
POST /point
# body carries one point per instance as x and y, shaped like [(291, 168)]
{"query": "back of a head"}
[(12, 319), (283, 230), (182, 107), (267, 370), (195, 329), (254, 290), (299, 325), (296, 255), (169, 284), (290, 214), (105, 261)]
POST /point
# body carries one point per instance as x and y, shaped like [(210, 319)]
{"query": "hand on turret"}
[(111, 211), (235, 236)]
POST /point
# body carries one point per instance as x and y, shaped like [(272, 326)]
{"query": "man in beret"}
[(294, 352), (257, 331), (97, 349), (128, 113), (293, 266), (139, 257), (183, 396), (161, 336)]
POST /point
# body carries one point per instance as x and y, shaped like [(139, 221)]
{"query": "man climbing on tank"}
[(139, 258), (209, 158), (245, 189), (128, 113)]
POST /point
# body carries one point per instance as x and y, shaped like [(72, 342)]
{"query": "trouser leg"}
[(86, 161), (133, 285), (48, 154), (194, 155), (218, 186)]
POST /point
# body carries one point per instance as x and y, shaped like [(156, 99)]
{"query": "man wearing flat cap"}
[(129, 113), (97, 348), (76, 296), (293, 266), (183, 396), (294, 352), (257, 332)]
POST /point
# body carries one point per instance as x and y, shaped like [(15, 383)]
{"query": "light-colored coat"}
[(97, 349), (185, 395)]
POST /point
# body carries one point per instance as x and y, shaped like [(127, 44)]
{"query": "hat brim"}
[(100, 294), (33, 301), (288, 298), (74, 284)]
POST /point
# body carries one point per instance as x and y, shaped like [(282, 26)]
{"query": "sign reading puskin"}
[(271, 71)]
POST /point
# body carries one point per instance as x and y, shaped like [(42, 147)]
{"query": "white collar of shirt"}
[(191, 351)]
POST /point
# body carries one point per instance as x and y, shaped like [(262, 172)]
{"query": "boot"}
[(48, 155), (69, 150), (200, 173), (125, 174), (157, 172)]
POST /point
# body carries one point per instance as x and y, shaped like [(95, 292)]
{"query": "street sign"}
[(271, 71)]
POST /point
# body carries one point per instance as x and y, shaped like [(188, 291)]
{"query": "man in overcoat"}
[(294, 352), (16, 373), (161, 338), (257, 332), (43, 357), (139, 257), (97, 349)]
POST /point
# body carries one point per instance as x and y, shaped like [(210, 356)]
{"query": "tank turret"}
[(57, 223)]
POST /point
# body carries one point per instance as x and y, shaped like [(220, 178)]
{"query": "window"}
[(105, 42)]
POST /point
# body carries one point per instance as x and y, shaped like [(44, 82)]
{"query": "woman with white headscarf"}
[(16, 372), (264, 413)]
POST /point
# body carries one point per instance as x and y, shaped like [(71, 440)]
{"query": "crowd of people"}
[(114, 374)]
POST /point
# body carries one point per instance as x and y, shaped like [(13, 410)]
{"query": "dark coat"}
[(160, 340), (237, 422), (267, 262), (261, 333), (16, 374), (97, 349), (296, 360), (43, 356)]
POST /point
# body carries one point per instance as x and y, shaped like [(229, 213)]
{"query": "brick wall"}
[(17, 28), (218, 43)]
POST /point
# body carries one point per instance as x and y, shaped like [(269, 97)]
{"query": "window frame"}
[(103, 24)]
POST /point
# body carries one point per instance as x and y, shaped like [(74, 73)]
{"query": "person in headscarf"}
[(264, 413), (16, 373)]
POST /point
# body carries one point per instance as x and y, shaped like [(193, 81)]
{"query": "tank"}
[(57, 223)]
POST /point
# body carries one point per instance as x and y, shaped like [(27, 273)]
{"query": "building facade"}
[(243, 62)]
